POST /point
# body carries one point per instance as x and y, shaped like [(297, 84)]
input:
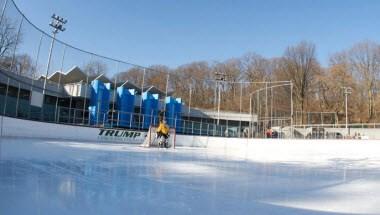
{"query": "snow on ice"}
[(41, 176)]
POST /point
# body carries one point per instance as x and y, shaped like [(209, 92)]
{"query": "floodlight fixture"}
[(56, 23)]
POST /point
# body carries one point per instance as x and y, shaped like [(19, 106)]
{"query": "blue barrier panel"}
[(178, 113), (173, 111), (99, 102), (125, 105), (150, 108), (170, 111)]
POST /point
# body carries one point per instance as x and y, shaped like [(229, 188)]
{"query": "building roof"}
[(75, 75), (154, 90), (100, 77), (129, 85)]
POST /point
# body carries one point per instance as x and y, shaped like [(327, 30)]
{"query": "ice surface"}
[(67, 177)]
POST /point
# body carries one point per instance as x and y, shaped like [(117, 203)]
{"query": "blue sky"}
[(176, 32)]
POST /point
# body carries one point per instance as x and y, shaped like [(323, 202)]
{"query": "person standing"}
[(269, 132), (163, 132)]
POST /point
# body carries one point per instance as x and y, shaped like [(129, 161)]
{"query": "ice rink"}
[(41, 176)]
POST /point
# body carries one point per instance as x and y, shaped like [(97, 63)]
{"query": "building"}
[(71, 97)]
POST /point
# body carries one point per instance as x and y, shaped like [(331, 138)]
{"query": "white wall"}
[(371, 133), (25, 128), (13, 127), (245, 148)]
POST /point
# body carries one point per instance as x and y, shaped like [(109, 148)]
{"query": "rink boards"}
[(87, 173), (257, 148), (12, 127)]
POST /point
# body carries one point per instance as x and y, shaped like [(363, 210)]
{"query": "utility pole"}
[(347, 91), (291, 111), (57, 25), (250, 115), (190, 92), (219, 78)]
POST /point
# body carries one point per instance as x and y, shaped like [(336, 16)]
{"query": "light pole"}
[(250, 132), (250, 113), (291, 111), (251, 109), (219, 77), (347, 91), (141, 97), (190, 94), (258, 106), (57, 25), (218, 102)]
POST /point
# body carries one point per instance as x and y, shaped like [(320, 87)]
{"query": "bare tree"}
[(24, 65), (95, 68), (197, 78), (157, 76), (365, 66), (330, 85), (8, 37), (134, 75), (255, 67), (301, 67)]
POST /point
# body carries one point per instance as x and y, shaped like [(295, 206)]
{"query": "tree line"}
[(316, 88)]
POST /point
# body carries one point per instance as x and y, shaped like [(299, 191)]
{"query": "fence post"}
[(74, 117), (5, 106), (142, 122), (18, 97), (112, 119), (227, 127), (6, 98), (57, 115), (151, 117), (104, 118), (97, 115), (130, 121), (83, 115), (240, 128), (184, 127), (30, 99)]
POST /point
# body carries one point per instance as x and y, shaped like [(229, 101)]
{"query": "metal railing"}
[(15, 101), (20, 108)]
